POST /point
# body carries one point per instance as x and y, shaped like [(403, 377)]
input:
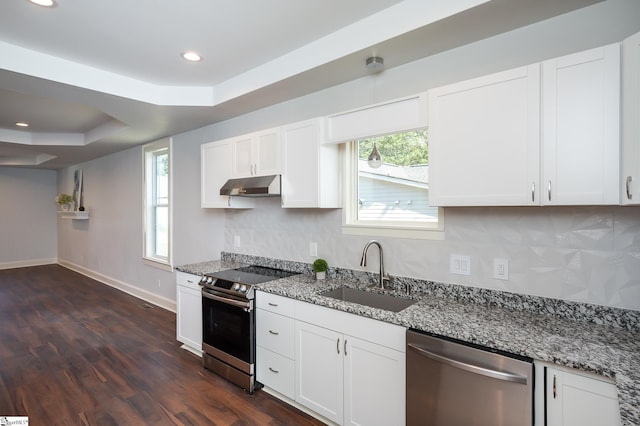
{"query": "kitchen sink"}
[(367, 298)]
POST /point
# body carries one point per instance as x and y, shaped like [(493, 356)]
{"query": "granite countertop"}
[(612, 352)]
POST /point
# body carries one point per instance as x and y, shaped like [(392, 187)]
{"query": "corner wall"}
[(27, 217)]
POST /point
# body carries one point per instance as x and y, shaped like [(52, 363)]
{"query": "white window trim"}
[(155, 261), (350, 226)]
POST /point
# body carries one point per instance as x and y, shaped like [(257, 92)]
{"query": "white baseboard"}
[(27, 263), (145, 295)]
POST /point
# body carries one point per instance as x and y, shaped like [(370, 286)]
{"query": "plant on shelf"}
[(64, 200), (320, 267)]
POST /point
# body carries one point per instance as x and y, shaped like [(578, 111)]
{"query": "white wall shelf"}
[(77, 215)]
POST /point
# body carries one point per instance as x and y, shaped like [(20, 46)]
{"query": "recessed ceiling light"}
[(191, 56), (46, 3), (22, 124)]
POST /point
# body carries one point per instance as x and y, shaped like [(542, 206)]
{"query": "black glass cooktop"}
[(251, 274)]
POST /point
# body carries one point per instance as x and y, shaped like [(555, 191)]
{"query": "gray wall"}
[(27, 217), (589, 254)]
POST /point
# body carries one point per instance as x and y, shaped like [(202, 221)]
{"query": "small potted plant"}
[(64, 201), (320, 267)]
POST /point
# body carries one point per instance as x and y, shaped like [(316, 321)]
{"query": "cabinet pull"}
[(273, 304), (273, 371), (338, 346), (629, 194), (555, 389), (345, 347), (549, 190), (275, 333), (533, 192)]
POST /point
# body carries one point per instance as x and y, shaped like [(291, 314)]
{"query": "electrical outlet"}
[(459, 264), (236, 240), (501, 269), (313, 249)]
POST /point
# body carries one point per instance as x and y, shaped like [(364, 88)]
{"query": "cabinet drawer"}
[(274, 332), (275, 371), (187, 280), (274, 303)]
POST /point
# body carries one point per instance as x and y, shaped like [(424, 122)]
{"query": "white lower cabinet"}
[(189, 312), (274, 343), (346, 379), (575, 398), (310, 357)]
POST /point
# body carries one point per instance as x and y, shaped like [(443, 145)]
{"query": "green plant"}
[(64, 199), (320, 265)]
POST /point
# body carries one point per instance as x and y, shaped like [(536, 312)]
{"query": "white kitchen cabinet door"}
[(319, 370), (257, 154), (581, 128), (578, 400), (189, 312), (630, 184), (374, 382), (215, 169), (311, 171), (484, 140)]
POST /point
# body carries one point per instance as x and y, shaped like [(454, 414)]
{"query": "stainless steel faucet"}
[(363, 262)]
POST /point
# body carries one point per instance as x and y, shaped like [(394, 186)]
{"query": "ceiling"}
[(92, 78)]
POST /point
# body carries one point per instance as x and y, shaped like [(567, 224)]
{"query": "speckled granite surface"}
[(595, 339)]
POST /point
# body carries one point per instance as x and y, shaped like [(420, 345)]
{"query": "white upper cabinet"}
[(215, 170), (581, 128), (630, 184), (257, 154), (484, 140), (311, 171), (537, 135)]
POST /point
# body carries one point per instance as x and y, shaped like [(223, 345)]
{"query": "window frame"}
[(400, 229), (149, 236)]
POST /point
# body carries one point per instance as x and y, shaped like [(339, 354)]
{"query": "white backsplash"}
[(582, 254)]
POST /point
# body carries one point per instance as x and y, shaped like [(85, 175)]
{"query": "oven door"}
[(228, 330)]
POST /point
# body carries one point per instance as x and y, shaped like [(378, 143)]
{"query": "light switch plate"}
[(460, 264)]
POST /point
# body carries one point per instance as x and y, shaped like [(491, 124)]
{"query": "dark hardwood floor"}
[(76, 352)]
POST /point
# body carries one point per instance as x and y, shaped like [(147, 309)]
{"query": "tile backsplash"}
[(581, 254)]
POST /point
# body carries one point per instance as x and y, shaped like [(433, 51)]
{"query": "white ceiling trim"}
[(391, 22), (62, 139), (384, 25)]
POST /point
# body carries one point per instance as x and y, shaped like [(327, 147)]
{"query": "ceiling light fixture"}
[(191, 56), (45, 3), (375, 64), (22, 124), (374, 159)]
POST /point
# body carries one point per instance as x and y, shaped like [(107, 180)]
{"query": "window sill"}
[(380, 231), (155, 263)]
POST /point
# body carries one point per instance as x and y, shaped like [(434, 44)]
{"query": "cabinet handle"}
[(555, 389), (273, 371), (338, 346), (345, 347), (629, 194), (533, 192), (190, 281), (273, 304), (549, 190), (275, 333)]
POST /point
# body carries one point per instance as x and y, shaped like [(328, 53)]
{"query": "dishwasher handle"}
[(500, 375)]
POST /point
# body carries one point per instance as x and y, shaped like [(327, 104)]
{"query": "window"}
[(157, 202), (390, 196)]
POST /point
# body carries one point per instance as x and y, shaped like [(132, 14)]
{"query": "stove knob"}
[(243, 288), (236, 287), (209, 280), (203, 279)]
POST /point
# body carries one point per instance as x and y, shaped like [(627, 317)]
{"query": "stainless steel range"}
[(228, 321)]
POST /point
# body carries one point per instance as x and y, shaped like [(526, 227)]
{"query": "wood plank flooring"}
[(77, 352)]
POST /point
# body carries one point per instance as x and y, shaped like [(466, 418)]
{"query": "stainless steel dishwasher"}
[(450, 383)]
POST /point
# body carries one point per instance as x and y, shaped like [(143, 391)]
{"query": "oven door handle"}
[(245, 305)]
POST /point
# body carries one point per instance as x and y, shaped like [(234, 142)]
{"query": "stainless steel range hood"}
[(259, 186)]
